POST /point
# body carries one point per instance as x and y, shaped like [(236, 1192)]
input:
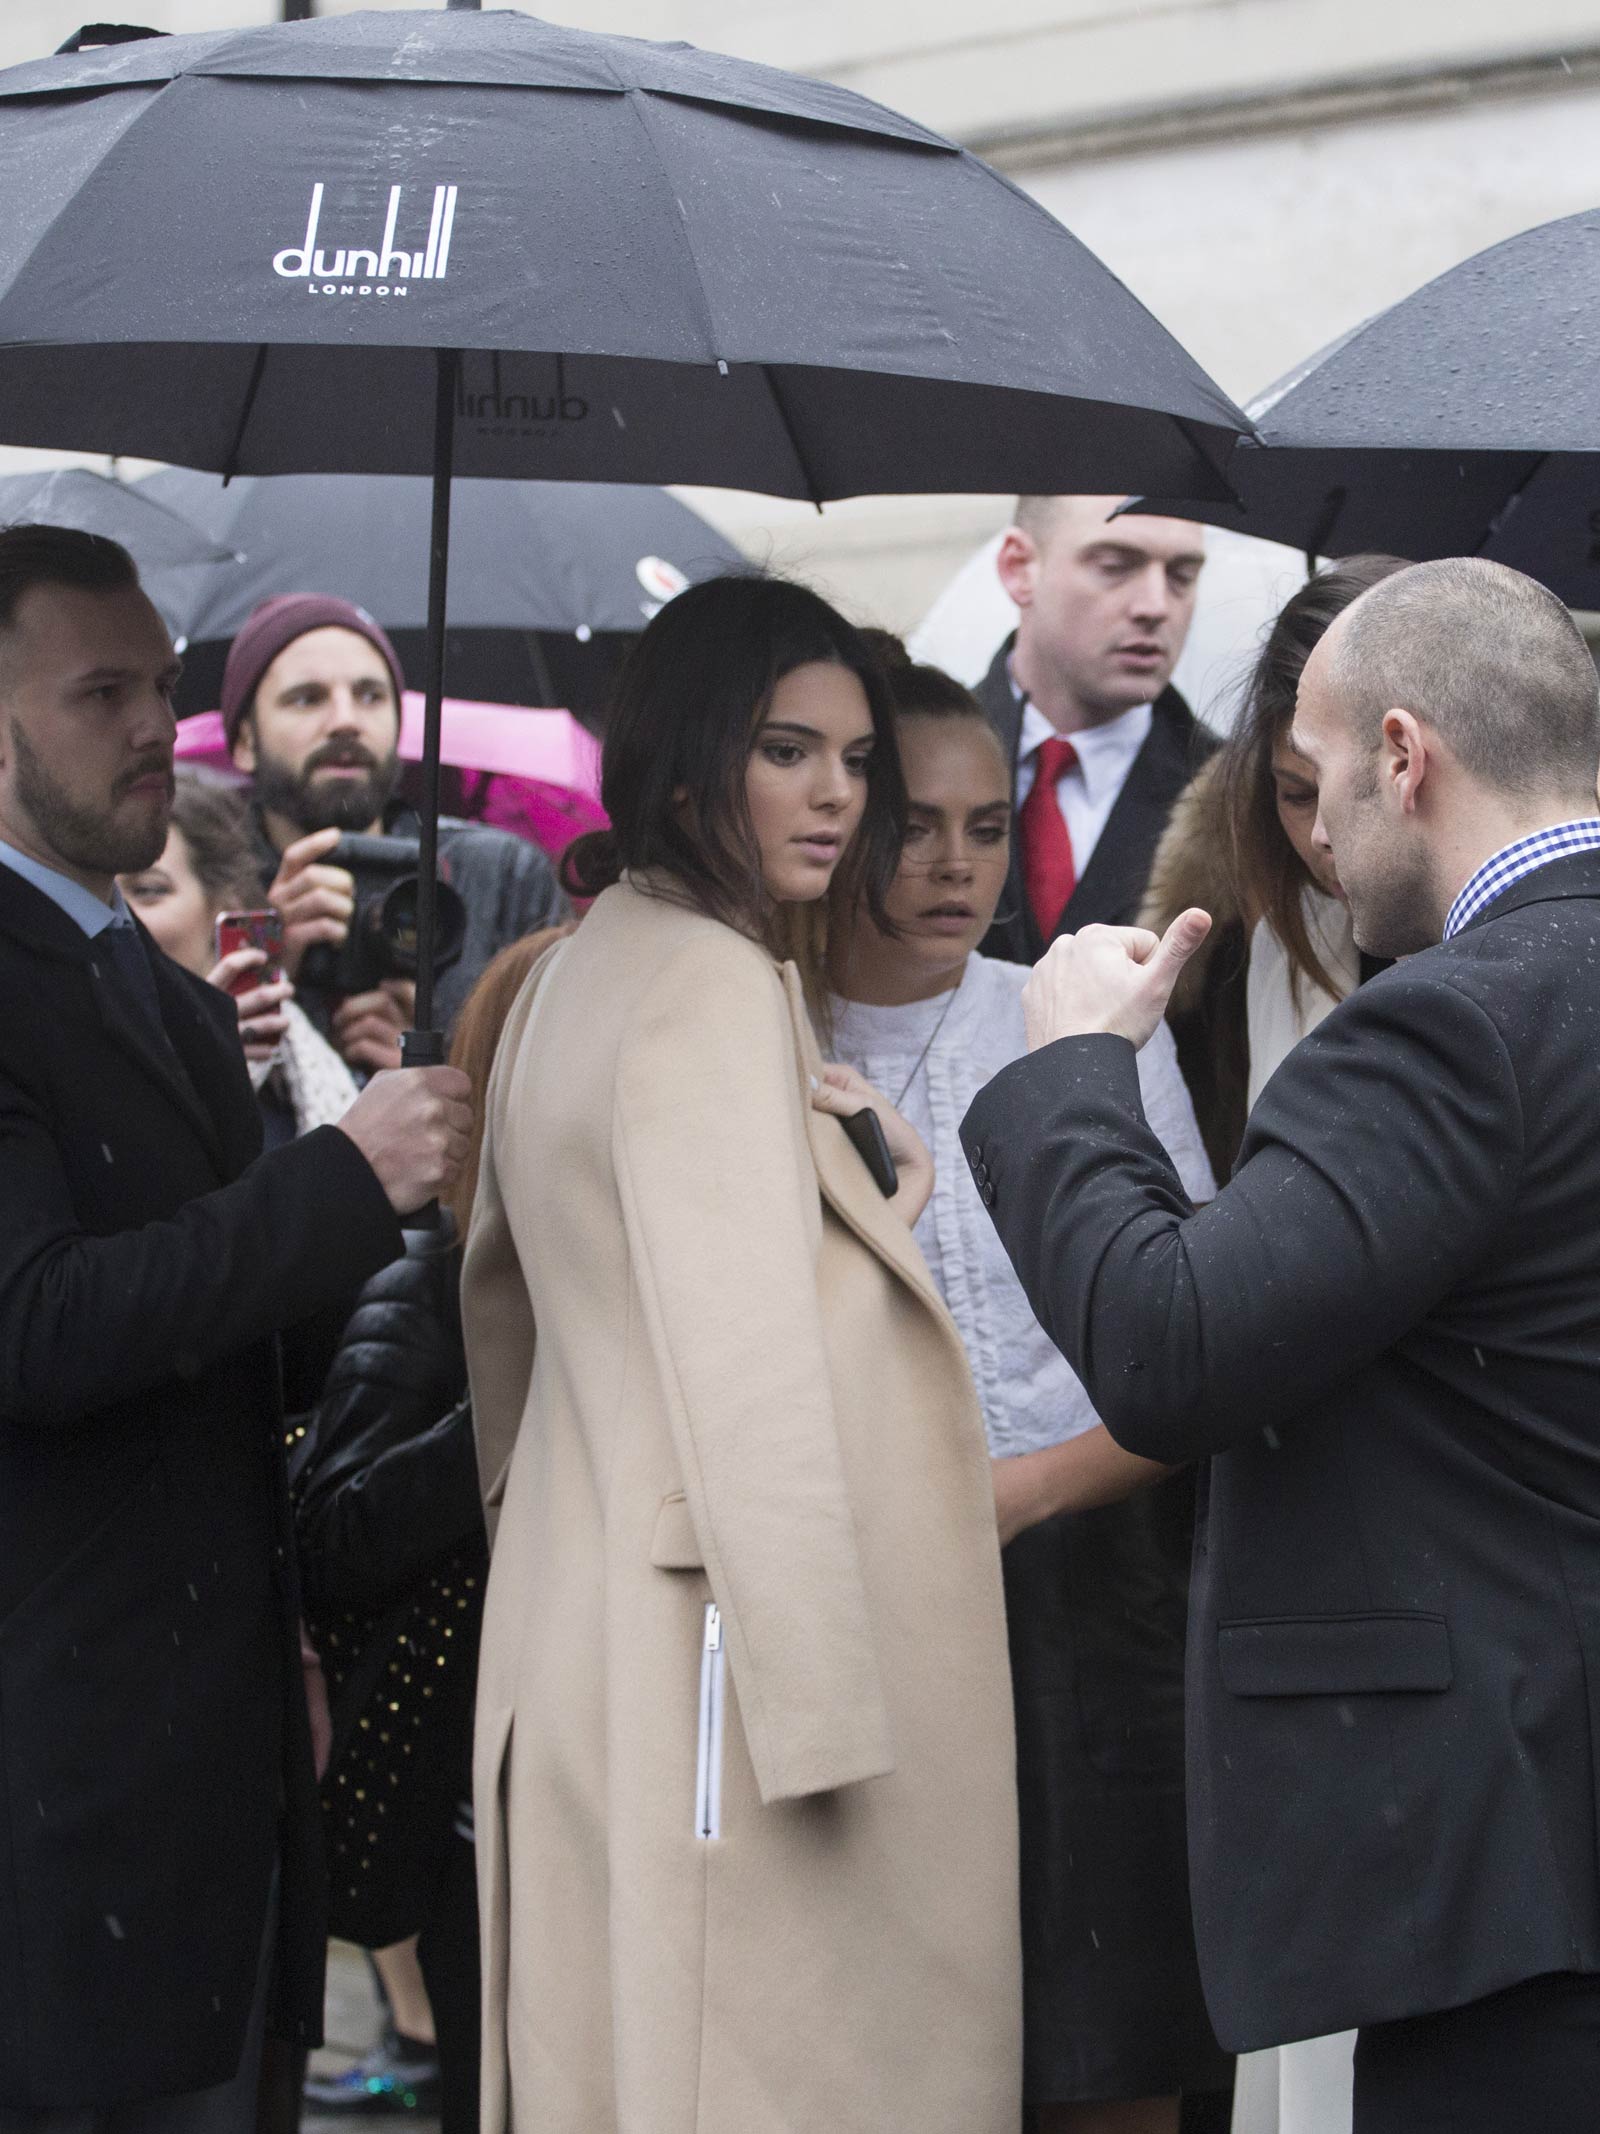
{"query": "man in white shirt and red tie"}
[(1115, 2027), (1083, 688)]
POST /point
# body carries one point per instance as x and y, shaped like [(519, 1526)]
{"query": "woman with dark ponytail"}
[(744, 1800)]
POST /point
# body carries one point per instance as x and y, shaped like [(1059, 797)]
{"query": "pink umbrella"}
[(536, 773)]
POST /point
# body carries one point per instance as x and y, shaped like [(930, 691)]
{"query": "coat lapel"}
[(846, 1185), (1002, 704), (164, 1064), (43, 928), (203, 1026), (1013, 937)]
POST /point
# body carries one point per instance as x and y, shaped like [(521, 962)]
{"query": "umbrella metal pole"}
[(424, 1046)]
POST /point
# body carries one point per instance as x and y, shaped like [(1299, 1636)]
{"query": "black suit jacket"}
[(1387, 1330), (1111, 888), (153, 1740)]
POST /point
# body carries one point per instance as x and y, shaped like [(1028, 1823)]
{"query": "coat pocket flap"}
[(1334, 1655), (675, 1547)]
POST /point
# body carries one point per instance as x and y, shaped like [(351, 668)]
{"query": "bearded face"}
[(321, 740), (341, 785), (87, 730)]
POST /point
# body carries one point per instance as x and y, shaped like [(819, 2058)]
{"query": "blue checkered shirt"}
[(1512, 862)]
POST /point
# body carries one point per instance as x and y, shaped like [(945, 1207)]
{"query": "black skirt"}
[(1096, 1605)]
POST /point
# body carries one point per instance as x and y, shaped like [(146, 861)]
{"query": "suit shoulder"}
[(1176, 731), (1434, 1002), (994, 691)]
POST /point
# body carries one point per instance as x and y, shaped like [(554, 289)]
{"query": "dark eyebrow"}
[(94, 676), (812, 733), (991, 807)]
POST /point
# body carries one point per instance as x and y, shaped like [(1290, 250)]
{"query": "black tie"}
[(125, 954)]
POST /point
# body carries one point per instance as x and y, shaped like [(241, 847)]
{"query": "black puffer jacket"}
[(393, 1557), (384, 1470)]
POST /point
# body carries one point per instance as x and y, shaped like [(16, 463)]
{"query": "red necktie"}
[(1049, 873)]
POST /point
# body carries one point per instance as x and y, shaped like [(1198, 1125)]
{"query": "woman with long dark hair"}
[(1303, 957), (744, 1800), (1280, 953)]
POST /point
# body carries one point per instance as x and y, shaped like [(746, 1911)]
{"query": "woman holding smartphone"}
[(207, 870), (743, 1789)]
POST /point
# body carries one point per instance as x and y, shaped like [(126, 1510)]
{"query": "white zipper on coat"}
[(708, 1775)]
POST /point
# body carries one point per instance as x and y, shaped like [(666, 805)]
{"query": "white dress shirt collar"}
[(1105, 753), (80, 905)]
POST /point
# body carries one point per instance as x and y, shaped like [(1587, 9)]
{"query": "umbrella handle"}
[(95, 34), (423, 1048)]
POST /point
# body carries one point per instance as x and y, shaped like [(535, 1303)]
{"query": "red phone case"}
[(252, 929)]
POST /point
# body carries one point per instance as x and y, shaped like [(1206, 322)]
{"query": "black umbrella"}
[(433, 242), (581, 562), (1464, 420), (160, 537)]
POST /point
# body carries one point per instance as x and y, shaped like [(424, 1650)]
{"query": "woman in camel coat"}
[(744, 1780)]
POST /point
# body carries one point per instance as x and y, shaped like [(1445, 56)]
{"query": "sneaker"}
[(398, 2075)]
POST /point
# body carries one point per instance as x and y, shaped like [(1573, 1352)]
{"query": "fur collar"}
[(1191, 867)]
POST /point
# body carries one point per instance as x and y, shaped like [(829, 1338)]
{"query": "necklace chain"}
[(922, 1056)]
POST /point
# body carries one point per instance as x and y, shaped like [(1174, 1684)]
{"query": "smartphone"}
[(252, 929), (865, 1131)]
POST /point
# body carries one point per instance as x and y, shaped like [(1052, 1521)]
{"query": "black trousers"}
[(1526, 2061)]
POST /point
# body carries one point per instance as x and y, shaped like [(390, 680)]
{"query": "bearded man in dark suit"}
[(1101, 746), (159, 1831), (1383, 1337)]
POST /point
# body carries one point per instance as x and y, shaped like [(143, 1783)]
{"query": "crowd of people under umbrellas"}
[(832, 1315), (945, 1481)]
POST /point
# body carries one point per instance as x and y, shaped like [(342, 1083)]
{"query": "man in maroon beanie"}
[(311, 707)]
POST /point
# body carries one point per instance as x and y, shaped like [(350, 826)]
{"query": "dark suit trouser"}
[(1526, 2061)]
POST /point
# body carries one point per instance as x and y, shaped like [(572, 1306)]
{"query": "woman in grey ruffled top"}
[(929, 1021), (1095, 1634)]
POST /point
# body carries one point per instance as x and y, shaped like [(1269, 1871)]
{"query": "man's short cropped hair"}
[(59, 555), (1485, 655), (1037, 516)]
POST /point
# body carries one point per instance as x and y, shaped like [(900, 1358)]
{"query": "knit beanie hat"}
[(278, 622)]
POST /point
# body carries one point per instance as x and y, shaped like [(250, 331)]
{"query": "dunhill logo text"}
[(520, 409), (362, 271)]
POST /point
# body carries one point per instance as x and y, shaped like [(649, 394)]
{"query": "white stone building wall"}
[(1262, 173)]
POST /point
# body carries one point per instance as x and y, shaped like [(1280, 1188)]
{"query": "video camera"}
[(382, 941)]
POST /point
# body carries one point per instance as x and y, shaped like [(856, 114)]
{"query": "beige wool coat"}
[(709, 1371)]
